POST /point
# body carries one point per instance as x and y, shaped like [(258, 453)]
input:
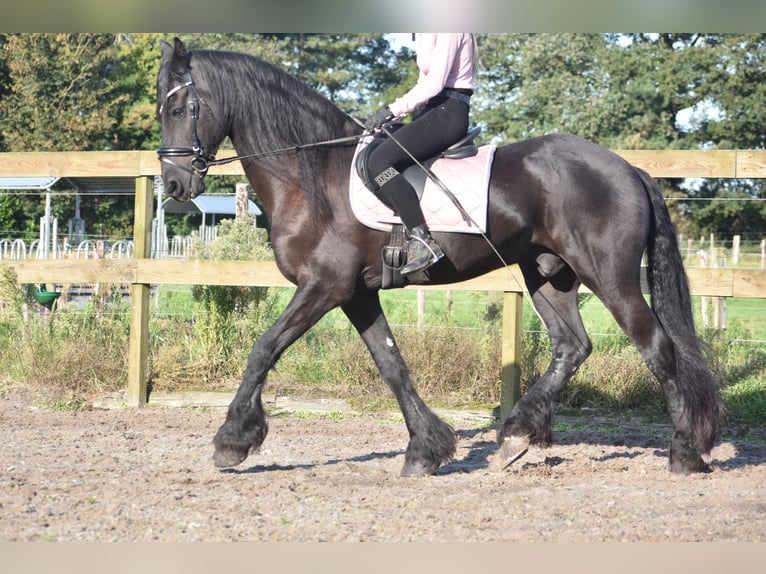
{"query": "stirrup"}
[(426, 252)]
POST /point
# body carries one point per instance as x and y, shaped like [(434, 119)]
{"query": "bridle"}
[(202, 160)]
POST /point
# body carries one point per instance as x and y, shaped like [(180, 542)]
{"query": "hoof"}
[(687, 466), (685, 459), (229, 456), (417, 469), (512, 449)]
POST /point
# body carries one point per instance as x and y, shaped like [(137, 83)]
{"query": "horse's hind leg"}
[(432, 442), (530, 421), (658, 351)]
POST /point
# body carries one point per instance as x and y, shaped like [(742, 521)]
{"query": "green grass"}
[(454, 355), (331, 358), (175, 300), (746, 318), (749, 315)]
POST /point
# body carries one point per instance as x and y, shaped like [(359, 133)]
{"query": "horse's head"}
[(190, 134)]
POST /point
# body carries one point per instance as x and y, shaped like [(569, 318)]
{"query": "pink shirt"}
[(444, 61)]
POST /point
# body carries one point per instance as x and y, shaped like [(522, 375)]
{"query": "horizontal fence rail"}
[(746, 164), (140, 272), (721, 282)]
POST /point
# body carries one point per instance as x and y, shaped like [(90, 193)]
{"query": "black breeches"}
[(442, 123)]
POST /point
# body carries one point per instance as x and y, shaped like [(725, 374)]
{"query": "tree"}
[(97, 92), (591, 85), (535, 83), (136, 66), (60, 94), (632, 91)]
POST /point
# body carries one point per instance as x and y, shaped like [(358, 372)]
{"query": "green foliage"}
[(629, 92), (62, 91), (634, 86), (73, 355), (76, 92), (70, 356), (358, 72), (67, 92), (536, 83), (96, 92), (730, 210), (224, 305)]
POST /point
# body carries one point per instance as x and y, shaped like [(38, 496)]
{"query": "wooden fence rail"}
[(140, 272)]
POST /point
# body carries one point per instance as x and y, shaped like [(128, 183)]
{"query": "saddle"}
[(394, 254), (464, 147)]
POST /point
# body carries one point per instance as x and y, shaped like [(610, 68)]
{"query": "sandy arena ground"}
[(147, 475)]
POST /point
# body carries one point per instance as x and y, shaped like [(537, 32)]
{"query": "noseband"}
[(201, 160)]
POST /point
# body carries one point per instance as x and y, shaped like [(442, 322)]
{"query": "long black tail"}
[(671, 302)]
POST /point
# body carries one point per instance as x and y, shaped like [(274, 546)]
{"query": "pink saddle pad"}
[(467, 179)]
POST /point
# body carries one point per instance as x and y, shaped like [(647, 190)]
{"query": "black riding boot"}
[(422, 251)]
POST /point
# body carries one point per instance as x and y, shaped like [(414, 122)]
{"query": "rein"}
[(298, 147), (202, 161)]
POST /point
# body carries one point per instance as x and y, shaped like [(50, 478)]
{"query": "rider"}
[(445, 85)]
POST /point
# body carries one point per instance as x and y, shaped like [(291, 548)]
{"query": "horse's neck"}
[(275, 175), (276, 188)]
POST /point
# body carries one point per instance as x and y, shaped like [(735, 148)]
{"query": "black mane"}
[(263, 109), (287, 111)]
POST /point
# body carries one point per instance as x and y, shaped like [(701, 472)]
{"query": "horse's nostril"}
[(173, 189)]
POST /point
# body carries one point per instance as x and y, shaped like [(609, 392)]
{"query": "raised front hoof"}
[(417, 469), (229, 456), (512, 448)]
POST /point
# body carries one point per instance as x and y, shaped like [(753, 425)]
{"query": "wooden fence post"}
[(510, 369), (240, 198), (138, 351)]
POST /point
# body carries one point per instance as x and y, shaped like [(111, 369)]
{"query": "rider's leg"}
[(443, 123), (422, 250)]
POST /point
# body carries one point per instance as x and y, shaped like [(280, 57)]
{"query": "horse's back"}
[(553, 156), (564, 193), (564, 171)]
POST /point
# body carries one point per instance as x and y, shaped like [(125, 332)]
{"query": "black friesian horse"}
[(566, 210)]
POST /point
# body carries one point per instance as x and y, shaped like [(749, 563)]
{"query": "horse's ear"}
[(175, 55), (166, 50)]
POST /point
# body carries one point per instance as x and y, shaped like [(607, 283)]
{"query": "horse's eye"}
[(177, 112)]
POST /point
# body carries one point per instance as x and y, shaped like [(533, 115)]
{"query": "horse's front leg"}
[(432, 442), (245, 427)]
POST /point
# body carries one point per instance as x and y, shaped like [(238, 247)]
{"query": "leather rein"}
[(202, 160)]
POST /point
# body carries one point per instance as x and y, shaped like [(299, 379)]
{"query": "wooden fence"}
[(140, 272)]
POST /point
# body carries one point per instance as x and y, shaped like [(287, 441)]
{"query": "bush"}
[(67, 356), (75, 354), (225, 306)]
